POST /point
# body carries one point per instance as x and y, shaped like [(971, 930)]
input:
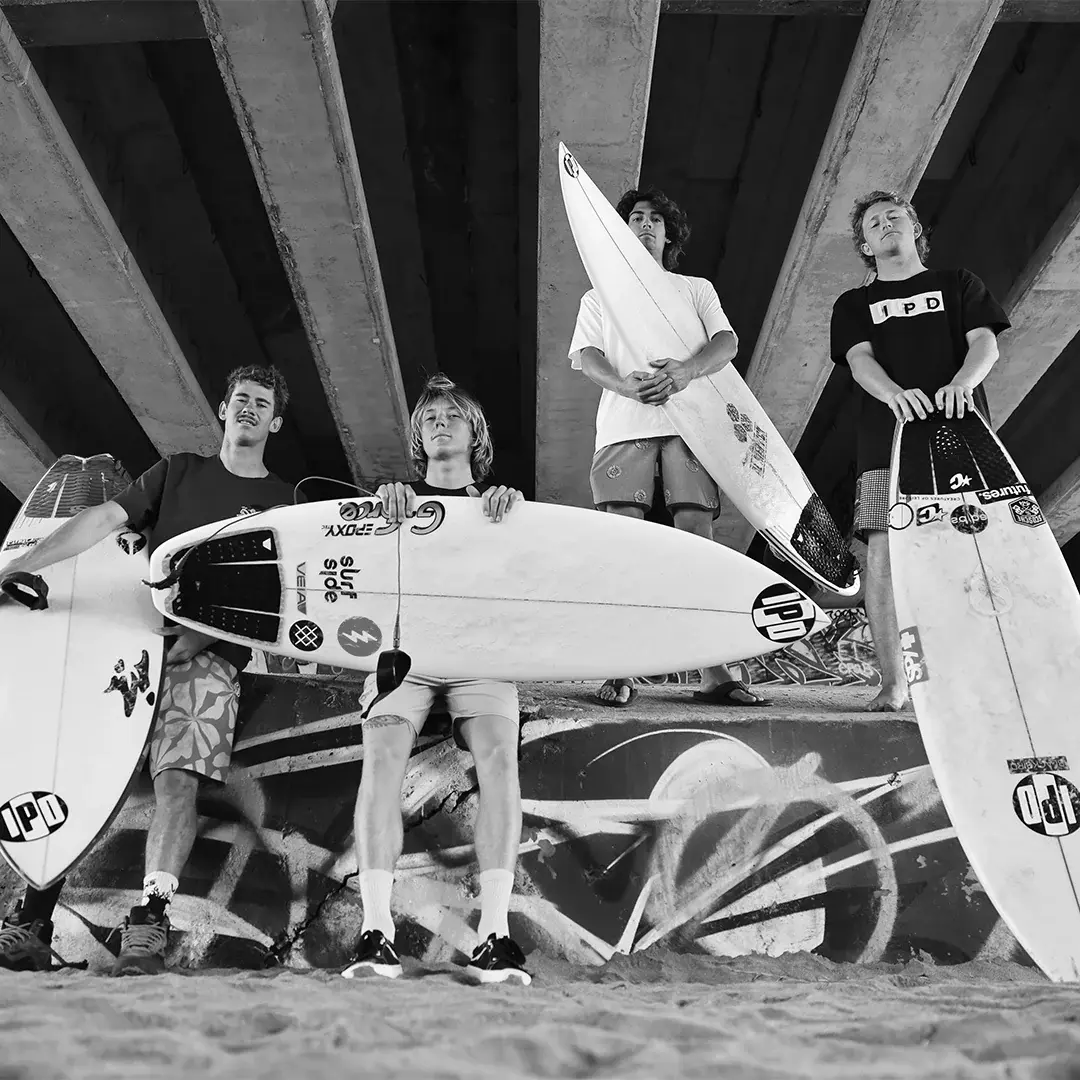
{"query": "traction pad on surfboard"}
[(817, 539), (233, 584), (937, 451)]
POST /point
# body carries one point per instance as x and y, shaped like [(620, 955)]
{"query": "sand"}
[(655, 1015)]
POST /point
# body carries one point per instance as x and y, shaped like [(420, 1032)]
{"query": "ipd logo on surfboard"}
[(33, 815), (1047, 804)]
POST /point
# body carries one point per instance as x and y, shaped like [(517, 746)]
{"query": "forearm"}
[(75, 536), (598, 367), (715, 354), (981, 357), (873, 378)]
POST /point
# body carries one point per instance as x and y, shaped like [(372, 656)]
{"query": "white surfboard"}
[(989, 622), (79, 681), (717, 416), (550, 592)]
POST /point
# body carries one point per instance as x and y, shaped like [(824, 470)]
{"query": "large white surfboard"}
[(717, 416), (989, 622), (550, 592), (79, 681)]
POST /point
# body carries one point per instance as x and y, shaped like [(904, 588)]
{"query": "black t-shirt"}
[(916, 328), (422, 487), (185, 491)]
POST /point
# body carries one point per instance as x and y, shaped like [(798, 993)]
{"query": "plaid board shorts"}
[(624, 474), (871, 502), (465, 698), (196, 722)]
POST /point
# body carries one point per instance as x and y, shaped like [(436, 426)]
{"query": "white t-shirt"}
[(622, 419)]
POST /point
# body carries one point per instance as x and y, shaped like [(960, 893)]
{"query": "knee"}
[(176, 786), (497, 759), (387, 744), (692, 520)]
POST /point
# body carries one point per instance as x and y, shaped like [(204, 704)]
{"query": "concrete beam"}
[(58, 216), (1011, 10), (1044, 308), (907, 72), (77, 22), (280, 70), (23, 453), (1060, 503), (595, 72)]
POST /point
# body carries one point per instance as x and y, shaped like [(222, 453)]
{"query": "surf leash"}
[(30, 590)]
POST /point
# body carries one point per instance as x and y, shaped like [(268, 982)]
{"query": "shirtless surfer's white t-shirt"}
[(622, 419)]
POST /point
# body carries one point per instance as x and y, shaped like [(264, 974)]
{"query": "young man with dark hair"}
[(635, 440), (916, 340), (195, 726), (452, 455)]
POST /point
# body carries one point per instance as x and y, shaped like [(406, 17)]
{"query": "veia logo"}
[(33, 815)]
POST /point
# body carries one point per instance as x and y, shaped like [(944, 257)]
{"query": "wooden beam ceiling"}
[(280, 69), (56, 212), (1011, 10), (23, 453), (1044, 307), (1061, 504)]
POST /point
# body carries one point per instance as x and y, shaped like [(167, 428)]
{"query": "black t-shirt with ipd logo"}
[(917, 330)]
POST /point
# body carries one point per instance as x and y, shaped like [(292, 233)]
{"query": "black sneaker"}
[(374, 956), (499, 959), (143, 940), (26, 946)]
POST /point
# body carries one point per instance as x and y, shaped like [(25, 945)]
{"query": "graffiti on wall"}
[(766, 836)]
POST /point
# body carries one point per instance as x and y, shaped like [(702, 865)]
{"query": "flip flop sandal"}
[(614, 703), (721, 695)]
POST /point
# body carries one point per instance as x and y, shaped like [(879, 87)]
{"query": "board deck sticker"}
[(88, 669), (1056, 763), (306, 635), (968, 519), (550, 592), (994, 616), (1026, 512), (717, 416), (912, 656), (1047, 804), (33, 815)]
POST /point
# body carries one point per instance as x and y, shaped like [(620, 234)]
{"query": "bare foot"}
[(889, 699)]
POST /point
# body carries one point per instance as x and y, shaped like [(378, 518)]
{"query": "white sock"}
[(375, 889), (495, 889), (160, 884)]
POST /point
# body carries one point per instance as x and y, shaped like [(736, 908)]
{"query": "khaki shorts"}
[(196, 722), (871, 503), (465, 698), (624, 474)]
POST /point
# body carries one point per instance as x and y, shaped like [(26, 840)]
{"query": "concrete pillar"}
[(595, 70)]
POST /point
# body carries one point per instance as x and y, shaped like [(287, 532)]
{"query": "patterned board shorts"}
[(624, 474), (871, 503), (465, 698), (196, 722)]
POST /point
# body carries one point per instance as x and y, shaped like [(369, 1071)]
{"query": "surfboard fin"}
[(29, 590)]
